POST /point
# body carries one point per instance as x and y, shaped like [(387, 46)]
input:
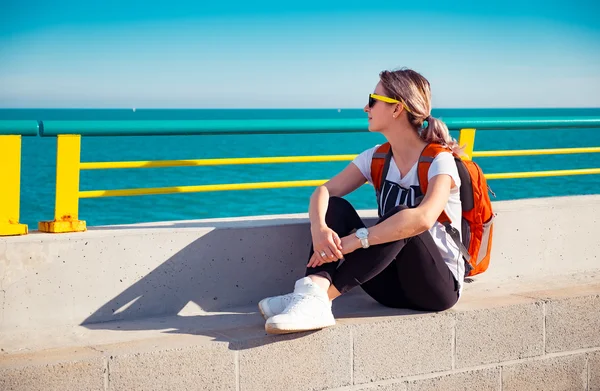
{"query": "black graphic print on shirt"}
[(392, 195)]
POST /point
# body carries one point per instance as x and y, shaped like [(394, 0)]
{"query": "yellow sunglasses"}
[(374, 98)]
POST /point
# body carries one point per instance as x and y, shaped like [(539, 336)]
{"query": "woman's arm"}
[(408, 222), (324, 238), (343, 183)]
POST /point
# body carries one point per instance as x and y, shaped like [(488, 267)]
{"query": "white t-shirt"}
[(404, 191)]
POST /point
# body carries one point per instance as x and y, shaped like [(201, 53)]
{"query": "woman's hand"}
[(327, 246), (348, 244)]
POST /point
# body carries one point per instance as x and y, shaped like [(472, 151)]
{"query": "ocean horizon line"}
[(292, 108)]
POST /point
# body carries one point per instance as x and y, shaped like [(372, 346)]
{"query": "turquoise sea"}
[(39, 157)]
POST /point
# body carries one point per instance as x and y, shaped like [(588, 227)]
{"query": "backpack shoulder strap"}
[(427, 155), (380, 164)]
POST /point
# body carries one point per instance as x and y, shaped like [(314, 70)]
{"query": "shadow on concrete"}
[(243, 328), (222, 268), (212, 287)]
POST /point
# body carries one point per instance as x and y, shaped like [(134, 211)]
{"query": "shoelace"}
[(298, 300), (294, 302), (287, 299)]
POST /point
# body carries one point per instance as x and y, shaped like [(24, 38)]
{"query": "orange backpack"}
[(477, 215)]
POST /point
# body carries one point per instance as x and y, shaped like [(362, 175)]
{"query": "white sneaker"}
[(275, 305), (309, 309)]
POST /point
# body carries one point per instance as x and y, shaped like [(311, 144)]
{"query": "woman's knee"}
[(394, 302), (338, 206), (339, 202), (442, 303)]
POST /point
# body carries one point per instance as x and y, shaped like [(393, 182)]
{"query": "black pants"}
[(408, 273)]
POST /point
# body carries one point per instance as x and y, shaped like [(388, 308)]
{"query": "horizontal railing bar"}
[(53, 128), (524, 123), (19, 128), (303, 159), (290, 126), (532, 152), (540, 174), (214, 162), (198, 189), (203, 127), (305, 183)]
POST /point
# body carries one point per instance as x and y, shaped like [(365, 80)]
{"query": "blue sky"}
[(276, 54)]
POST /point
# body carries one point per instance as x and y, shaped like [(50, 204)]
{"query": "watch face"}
[(362, 233)]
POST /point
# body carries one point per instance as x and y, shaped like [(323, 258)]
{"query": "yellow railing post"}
[(466, 139), (10, 182), (66, 212)]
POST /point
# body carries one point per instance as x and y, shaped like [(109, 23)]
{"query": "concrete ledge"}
[(371, 348), (173, 306), (134, 272)]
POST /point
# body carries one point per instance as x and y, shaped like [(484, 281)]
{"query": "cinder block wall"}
[(534, 343)]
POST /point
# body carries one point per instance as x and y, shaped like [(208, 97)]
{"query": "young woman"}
[(406, 260)]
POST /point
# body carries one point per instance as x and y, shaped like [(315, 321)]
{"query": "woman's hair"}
[(414, 91)]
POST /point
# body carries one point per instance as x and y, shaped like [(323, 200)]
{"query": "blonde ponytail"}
[(436, 131)]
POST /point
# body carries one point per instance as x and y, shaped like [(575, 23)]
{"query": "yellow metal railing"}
[(69, 166), (10, 179), (11, 133), (533, 152), (66, 210)]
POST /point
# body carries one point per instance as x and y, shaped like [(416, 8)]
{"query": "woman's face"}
[(381, 114)]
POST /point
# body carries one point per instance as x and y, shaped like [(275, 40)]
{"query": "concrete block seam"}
[(351, 356), (373, 385), (236, 360), (434, 375), (544, 320), (405, 380), (498, 365), (453, 347), (365, 369), (548, 356), (509, 345), (587, 372), (106, 373)]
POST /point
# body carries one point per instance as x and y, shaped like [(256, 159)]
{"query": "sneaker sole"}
[(283, 328), (262, 313)]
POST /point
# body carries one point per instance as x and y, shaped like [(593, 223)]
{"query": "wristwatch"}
[(363, 234)]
